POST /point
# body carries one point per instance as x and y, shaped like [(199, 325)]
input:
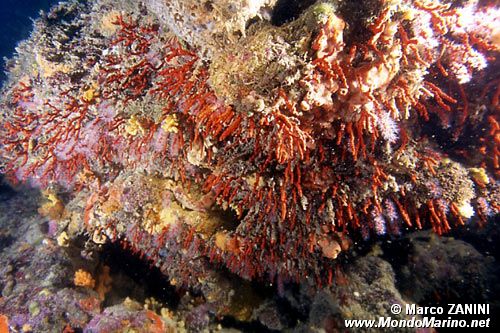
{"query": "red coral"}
[(301, 176)]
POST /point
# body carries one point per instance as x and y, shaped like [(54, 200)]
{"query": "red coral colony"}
[(148, 154)]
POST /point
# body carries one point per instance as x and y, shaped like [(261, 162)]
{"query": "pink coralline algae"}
[(269, 150)]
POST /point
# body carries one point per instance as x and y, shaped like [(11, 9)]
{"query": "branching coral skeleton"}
[(338, 151)]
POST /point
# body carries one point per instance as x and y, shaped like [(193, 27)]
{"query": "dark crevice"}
[(6, 192), (247, 327), (6, 241), (358, 15), (289, 10), (230, 218), (150, 281)]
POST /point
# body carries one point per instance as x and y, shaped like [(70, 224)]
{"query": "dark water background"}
[(16, 24)]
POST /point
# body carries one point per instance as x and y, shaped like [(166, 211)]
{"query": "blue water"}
[(16, 24)]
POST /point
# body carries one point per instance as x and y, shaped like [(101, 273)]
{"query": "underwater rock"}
[(446, 266), (210, 25), (202, 136), (417, 267), (129, 317), (365, 288), (36, 292)]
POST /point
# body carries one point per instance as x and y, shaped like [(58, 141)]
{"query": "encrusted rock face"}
[(213, 24), (197, 134), (246, 73), (454, 266)]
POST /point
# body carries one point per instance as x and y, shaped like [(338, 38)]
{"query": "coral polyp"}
[(199, 140)]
